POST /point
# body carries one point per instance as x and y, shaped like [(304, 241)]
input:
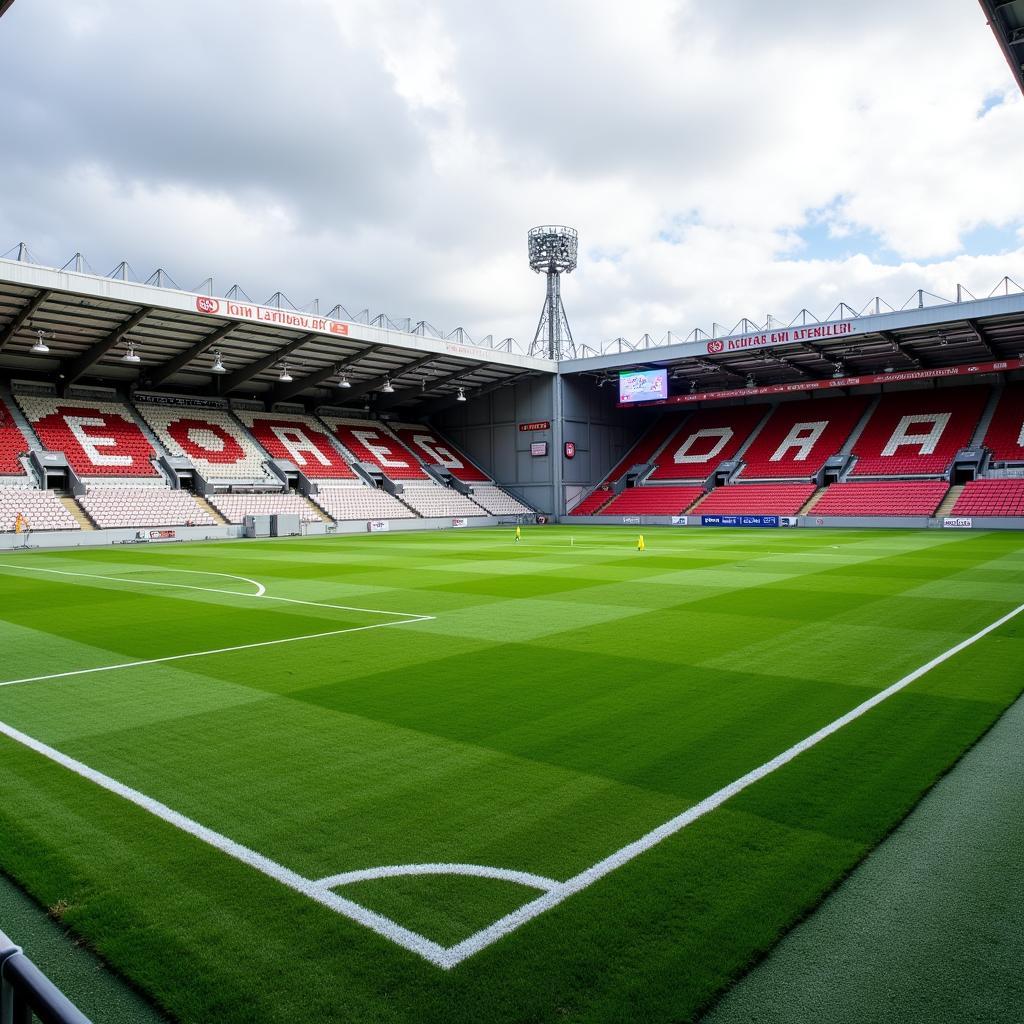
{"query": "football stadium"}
[(358, 671)]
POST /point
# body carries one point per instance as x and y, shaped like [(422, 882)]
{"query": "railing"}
[(877, 306), (26, 994), (124, 271)]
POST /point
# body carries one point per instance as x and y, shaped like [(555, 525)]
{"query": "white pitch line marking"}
[(260, 589), (451, 956), (408, 617), (314, 890), (212, 590), (203, 654), (510, 922), (475, 870)]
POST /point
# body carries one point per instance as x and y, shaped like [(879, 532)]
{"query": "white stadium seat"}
[(357, 501), (235, 507), (209, 438), (42, 509), (119, 507), (433, 501), (498, 502)]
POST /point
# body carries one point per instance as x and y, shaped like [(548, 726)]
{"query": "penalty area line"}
[(402, 618), (517, 918), (316, 891), (261, 590), (204, 654)]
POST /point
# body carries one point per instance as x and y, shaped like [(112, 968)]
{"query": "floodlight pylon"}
[(552, 249)]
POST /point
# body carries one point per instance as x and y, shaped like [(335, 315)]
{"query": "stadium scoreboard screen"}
[(643, 385)]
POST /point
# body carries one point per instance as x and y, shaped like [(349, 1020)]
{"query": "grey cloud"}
[(199, 111), (234, 96)]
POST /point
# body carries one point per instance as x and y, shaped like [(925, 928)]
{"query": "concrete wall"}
[(487, 429), (104, 538)]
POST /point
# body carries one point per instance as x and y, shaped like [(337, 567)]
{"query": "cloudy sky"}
[(720, 160)]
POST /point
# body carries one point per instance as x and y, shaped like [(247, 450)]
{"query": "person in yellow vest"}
[(20, 523), (519, 535), (640, 546)]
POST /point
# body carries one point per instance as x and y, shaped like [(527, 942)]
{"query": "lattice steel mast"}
[(552, 249)]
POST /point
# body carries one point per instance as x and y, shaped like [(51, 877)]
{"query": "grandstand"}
[(411, 430), (359, 502), (120, 507), (897, 455), (123, 475), (13, 444), (375, 447), (1004, 437), (785, 499)]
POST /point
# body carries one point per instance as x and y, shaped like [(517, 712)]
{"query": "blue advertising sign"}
[(739, 520)]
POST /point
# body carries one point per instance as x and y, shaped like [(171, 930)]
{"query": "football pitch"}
[(450, 777)]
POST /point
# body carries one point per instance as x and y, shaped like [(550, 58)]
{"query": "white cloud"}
[(393, 153)]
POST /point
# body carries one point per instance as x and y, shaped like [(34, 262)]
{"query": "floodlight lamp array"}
[(552, 249)]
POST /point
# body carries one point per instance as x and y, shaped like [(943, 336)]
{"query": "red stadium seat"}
[(12, 444), (653, 501), (704, 440), (435, 452), (917, 433), (592, 503), (991, 498), (639, 454), (1005, 434), (373, 444), (800, 436), (211, 439), (97, 438), (301, 441), (882, 498), (756, 499)]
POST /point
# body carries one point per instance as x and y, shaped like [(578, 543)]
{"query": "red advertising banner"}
[(785, 336), (536, 425), (999, 366), (267, 315)]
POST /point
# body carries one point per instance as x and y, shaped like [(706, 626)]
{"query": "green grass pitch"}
[(506, 716)]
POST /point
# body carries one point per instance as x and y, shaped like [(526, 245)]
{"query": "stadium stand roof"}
[(927, 337), (89, 321), (1006, 19)]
